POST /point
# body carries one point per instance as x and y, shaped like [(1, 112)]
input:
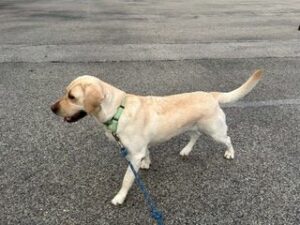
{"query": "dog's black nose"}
[(55, 107)]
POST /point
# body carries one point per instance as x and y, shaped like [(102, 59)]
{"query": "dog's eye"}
[(70, 96)]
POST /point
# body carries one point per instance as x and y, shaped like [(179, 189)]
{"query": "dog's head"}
[(83, 96)]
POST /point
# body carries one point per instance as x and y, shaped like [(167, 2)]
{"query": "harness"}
[(112, 124)]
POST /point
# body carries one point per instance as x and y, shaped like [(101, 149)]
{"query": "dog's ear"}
[(93, 96)]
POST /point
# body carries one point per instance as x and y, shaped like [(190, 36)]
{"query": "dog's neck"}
[(112, 100)]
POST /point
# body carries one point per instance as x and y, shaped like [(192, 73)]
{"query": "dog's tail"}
[(232, 96)]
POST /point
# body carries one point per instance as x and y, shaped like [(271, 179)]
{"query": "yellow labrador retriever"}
[(147, 119)]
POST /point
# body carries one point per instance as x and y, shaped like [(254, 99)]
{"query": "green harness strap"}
[(112, 124)]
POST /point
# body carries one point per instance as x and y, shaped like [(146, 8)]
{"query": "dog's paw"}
[(185, 152), (229, 154), (145, 164), (118, 199)]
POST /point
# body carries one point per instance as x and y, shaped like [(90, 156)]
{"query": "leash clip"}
[(118, 140)]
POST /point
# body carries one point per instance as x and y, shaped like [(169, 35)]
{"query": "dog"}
[(147, 120)]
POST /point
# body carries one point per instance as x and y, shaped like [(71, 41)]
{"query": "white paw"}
[(118, 199), (185, 152), (229, 154), (145, 164)]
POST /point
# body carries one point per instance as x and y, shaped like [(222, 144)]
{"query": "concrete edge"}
[(148, 52)]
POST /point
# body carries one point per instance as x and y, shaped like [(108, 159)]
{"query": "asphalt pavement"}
[(52, 172)]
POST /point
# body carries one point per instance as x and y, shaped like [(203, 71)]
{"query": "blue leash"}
[(155, 213)]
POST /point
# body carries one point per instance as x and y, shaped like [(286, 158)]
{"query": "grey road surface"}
[(57, 173)]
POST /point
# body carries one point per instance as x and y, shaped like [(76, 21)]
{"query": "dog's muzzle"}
[(70, 119)]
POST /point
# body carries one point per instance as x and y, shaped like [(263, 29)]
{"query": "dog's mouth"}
[(77, 116)]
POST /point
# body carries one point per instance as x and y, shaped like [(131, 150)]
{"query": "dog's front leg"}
[(128, 179)]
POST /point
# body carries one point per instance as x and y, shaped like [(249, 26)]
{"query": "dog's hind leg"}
[(224, 139), (216, 128), (188, 148)]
